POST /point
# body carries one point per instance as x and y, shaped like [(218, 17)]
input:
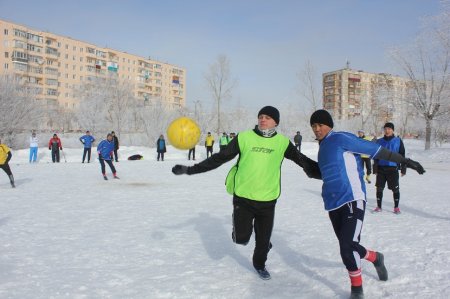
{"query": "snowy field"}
[(67, 233)]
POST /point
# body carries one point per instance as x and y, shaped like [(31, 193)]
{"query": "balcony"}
[(20, 60)]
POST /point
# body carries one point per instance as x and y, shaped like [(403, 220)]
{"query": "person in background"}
[(223, 141), (344, 192), (105, 151), (55, 146), (298, 140), (387, 171), (116, 146), (365, 158), (209, 143), (254, 181), (232, 135), (5, 156), (34, 145), (191, 151), (161, 147), (87, 141)]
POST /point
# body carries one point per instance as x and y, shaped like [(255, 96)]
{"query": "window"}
[(20, 33), (74, 57), (66, 56), (73, 67), (81, 59), (81, 68), (74, 76), (6, 55), (6, 66), (67, 47), (6, 31), (74, 48)]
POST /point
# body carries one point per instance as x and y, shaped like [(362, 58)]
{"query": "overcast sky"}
[(267, 42)]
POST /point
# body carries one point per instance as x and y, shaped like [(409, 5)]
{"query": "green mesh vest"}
[(257, 173)]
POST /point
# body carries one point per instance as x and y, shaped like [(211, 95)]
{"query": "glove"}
[(49, 148), (415, 165), (179, 169), (100, 155)]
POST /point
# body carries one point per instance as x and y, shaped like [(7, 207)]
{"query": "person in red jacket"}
[(55, 146)]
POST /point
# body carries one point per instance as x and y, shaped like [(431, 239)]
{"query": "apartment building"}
[(56, 64), (351, 93)]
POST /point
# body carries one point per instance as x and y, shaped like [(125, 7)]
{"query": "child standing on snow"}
[(5, 156), (105, 151), (34, 144)]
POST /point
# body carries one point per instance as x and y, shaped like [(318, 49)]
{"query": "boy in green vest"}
[(254, 181)]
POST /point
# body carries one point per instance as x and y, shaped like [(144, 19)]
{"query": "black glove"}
[(179, 169), (415, 165)]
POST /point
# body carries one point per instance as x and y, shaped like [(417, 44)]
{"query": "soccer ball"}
[(183, 133)]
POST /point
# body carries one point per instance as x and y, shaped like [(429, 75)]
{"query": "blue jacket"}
[(161, 146), (342, 171), (105, 148), (394, 144), (87, 140)]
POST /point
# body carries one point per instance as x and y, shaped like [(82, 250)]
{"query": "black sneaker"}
[(105, 177), (379, 266), (263, 274), (357, 293)]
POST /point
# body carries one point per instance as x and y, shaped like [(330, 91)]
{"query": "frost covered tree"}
[(309, 87), (426, 62), (91, 113), (19, 107), (220, 84)]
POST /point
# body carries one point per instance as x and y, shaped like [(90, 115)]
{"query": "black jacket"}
[(116, 142)]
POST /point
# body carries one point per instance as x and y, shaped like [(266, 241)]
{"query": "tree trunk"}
[(428, 134)]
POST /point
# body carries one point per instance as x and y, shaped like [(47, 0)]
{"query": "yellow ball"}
[(183, 133)]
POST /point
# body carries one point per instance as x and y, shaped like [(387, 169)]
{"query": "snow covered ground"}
[(67, 233)]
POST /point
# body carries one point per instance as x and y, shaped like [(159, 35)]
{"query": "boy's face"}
[(266, 122), (388, 131), (320, 130)]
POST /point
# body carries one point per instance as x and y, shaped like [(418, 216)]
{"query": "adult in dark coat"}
[(116, 146), (161, 147)]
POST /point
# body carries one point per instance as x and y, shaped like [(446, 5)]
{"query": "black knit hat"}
[(389, 125), (321, 117), (272, 112)]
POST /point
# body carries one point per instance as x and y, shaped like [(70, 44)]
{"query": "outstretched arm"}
[(212, 162), (385, 154), (310, 167)]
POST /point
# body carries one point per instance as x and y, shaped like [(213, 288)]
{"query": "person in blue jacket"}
[(344, 192), (161, 147), (105, 151), (87, 141), (387, 171)]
